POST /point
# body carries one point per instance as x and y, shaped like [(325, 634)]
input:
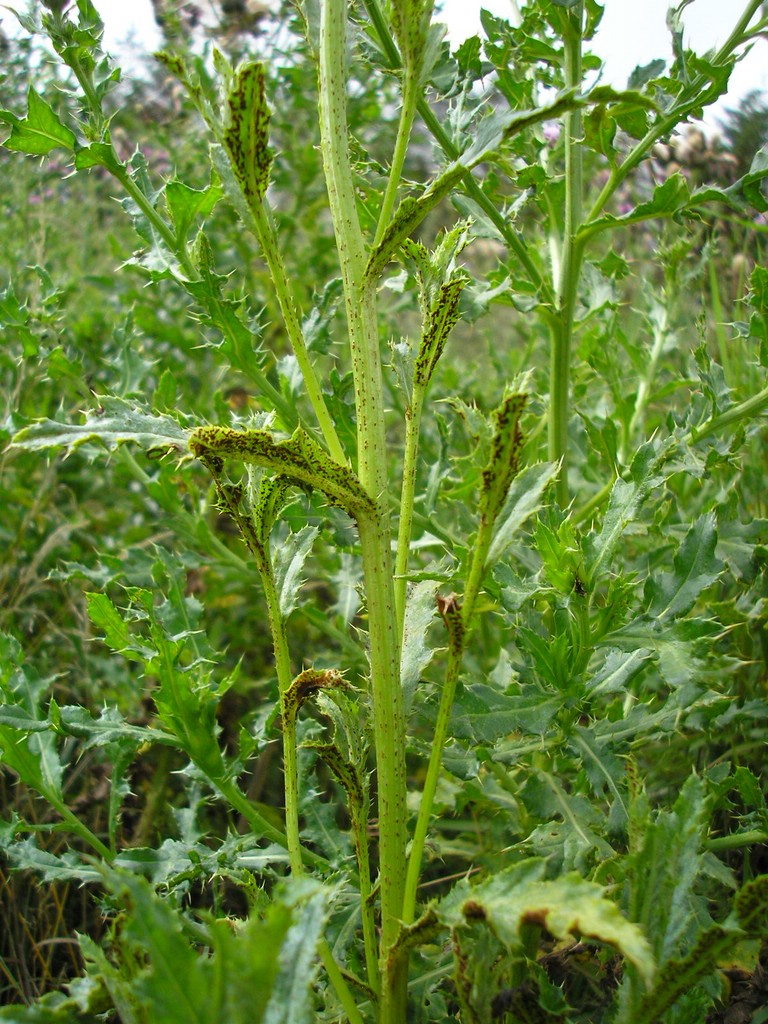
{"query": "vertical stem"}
[(296, 854), (407, 496), (414, 24), (260, 552), (389, 732), (407, 113), (290, 760), (388, 716), (291, 779), (471, 591), (718, 316), (434, 768), (337, 980), (512, 239), (265, 230), (240, 802), (572, 253), (360, 832), (660, 332)]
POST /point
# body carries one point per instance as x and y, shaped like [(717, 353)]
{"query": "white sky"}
[(631, 33)]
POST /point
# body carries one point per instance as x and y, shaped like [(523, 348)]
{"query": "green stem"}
[(84, 77), (407, 113), (179, 249), (157, 222), (55, 26), (586, 510), (442, 725), (644, 387), (296, 853), (476, 571), (360, 832), (576, 238), (240, 802), (279, 402), (572, 254), (561, 334), (130, 460), (741, 411), (148, 827), (76, 826), (512, 239), (718, 315), (265, 231), (86, 84), (434, 768), (340, 985), (388, 716), (284, 678), (407, 498), (389, 730), (737, 841), (215, 770)]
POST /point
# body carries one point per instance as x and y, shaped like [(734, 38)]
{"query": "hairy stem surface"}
[(389, 721), (570, 270)]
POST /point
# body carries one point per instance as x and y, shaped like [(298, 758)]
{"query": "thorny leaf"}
[(40, 131), (115, 422), (566, 907)]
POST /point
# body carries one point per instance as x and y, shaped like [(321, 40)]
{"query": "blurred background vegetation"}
[(79, 318)]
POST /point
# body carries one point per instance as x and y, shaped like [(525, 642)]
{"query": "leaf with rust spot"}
[(568, 906), (246, 136), (443, 317), (506, 447), (300, 457), (307, 684), (450, 612)]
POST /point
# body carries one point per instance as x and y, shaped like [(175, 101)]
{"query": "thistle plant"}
[(547, 574)]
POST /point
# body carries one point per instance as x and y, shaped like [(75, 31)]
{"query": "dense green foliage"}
[(383, 618)]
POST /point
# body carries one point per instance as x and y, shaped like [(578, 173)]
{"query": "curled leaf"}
[(450, 612), (300, 458), (308, 683), (442, 318), (506, 447), (566, 907), (246, 136)]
